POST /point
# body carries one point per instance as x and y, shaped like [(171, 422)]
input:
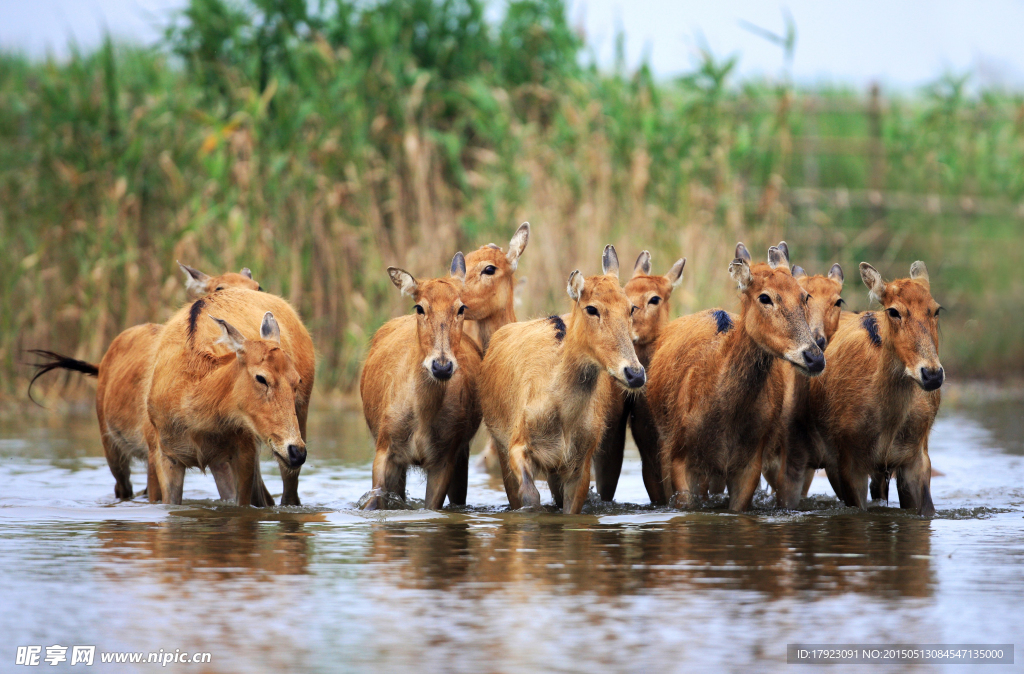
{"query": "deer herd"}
[(714, 400)]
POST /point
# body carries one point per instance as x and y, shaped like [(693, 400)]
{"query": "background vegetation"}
[(319, 143)]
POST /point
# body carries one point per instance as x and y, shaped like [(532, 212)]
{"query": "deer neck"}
[(488, 326)]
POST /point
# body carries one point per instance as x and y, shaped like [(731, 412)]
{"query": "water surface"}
[(622, 587)]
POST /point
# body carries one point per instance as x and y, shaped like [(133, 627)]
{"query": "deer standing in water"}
[(712, 393), (547, 388), (650, 294), (419, 391), (789, 465), (233, 370), (123, 377), (874, 407)]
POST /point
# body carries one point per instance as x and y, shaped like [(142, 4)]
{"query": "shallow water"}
[(623, 587)]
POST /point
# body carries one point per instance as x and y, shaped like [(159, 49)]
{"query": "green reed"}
[(319, 144)]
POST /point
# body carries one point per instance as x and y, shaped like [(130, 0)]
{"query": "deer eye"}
[(419, 310), (261, 379), (593, 311), (218, 288), (840, 302), (764, 299), (489, 270), (893, 312), (654, 300), (937, 310), (462, 309)]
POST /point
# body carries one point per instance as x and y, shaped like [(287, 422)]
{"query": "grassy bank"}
[(318, 147)]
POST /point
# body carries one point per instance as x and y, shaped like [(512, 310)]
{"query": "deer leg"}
[(245, 476), (519, 467), (224, 476), (261, 496), (808, 479), (460, 477), (153, 465), (684, 483), (850, 487), (608, 457), (439, 481), (382, 468), (172, 476), (879, 487), (577, 487), (289, 475), (913, 484), (120, 467), (556, 487), (743, 483)]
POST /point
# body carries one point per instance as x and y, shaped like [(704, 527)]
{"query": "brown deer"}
[(650, 294), (490, 298), (547, 388), (419, 390), (123, 379), (233, 370), (712, 393), (876, 404), (789, 465)]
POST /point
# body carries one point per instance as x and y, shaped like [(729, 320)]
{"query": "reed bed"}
[(318, 145)]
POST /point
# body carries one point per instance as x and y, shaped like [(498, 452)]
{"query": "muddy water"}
[(623, 587)]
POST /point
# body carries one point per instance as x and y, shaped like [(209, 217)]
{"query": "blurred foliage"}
[(318, 143)]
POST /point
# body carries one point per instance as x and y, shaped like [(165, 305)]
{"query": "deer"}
[(874, 408), (788, 466), (547, 388), (123, 378), (419, 391), (650, 294), (490, 296), (232, 371), (711, 392)]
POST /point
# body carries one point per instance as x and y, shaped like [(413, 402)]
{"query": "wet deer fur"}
[(233, 371), (712, 394), (419, 391), (876, 403), (650, 294), (547, 387)]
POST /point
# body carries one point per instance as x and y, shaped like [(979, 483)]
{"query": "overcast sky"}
[(901, 43)]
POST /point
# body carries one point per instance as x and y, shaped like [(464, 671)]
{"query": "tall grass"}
[(317, 146)]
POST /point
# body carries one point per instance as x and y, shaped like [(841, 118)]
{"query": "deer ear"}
[(643, 264), (784, 248), (403, 280), (195, 280), (518, 244), (739, 270), (873, 280), (269, 329), (675, 274), (575, 287), (798, 271), (776, 259), (742, 253), (919, 272), (836, 273), (231, 337), (246, 273), (610, 261), (458, 270)]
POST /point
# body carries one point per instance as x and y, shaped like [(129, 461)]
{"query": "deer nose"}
[(814, 360), (635, 377), (442, 371), (821, 342), (932, 378), (296, 455)]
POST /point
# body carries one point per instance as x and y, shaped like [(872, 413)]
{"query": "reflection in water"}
[(881, 556), (176, 551)]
